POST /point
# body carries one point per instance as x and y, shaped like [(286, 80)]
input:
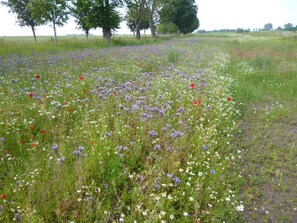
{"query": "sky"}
[(213, 14)]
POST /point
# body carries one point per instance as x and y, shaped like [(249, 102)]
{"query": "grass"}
[(186, 130), (139, 133), (265, 71), (26, 46)]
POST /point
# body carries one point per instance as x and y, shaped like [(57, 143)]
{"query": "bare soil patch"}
[(269, 166)]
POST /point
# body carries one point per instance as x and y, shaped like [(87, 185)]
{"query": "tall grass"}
[(26, 46), (118, 134)]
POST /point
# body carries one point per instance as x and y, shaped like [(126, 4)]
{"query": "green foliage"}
[(50, 11), (182, 13), (268, 26), (24, 13), (241, 30), (167, 28), (104, 15), (81, 9)]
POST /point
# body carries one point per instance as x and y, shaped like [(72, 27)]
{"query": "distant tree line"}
[(160, 16), (287, 27), (267, 27)]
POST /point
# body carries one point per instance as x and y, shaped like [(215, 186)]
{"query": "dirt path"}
[(269, 140)]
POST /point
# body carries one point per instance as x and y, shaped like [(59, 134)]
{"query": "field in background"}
[(191, 129)]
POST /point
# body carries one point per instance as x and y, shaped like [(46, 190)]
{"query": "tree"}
[(24, 16), (167, 28), (130, 21), (136, 12), (268, 26), (53, 11), (183, 13), (151, 7), (289, 27), (80, 10), (104, 15)]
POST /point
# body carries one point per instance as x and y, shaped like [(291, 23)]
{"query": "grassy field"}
[(192, 129)]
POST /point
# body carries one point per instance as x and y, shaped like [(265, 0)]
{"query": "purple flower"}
[(212, 172), (135, 107), (153, 133), (169, 175), (180, 110), (176, 180), (157, 147), (176, 134), (204, 147), (55, 148), (76, 153), (80, 148)]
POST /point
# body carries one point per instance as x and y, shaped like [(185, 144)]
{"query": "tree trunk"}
[(55, 32), (152, 8), (34, 34), (138, 31), (107, 33), (87, 34), (152, 27)]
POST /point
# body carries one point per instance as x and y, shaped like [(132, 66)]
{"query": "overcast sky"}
[(213, 14)]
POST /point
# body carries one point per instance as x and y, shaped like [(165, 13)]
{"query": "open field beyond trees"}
[(199, 128)]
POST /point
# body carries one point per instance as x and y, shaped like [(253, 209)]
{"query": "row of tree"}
[(287, 27), (168, 16)]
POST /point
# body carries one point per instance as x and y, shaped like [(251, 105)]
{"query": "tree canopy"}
[(182, 13), (54, 12), (24, 15), (170, 16)]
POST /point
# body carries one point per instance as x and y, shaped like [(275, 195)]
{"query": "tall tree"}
[(151, 9), (104, 15), (130, 21), (81, 10), (136, 12), (54, 11), (24, 16), (182, 13)]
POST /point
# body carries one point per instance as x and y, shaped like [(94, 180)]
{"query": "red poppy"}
[(37, 76), (196, 102), (34, 145), (192, 86), (70, 110), (3, 196), (229, 99), (23, 141), (8, 152), (42, 131), (81, 78), (31, 94)]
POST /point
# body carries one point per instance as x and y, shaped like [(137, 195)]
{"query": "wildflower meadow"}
[(119, 134)]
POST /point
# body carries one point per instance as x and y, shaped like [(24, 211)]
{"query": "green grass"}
[(266, 80), (45, 44), (117, 133), (183, 129)]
